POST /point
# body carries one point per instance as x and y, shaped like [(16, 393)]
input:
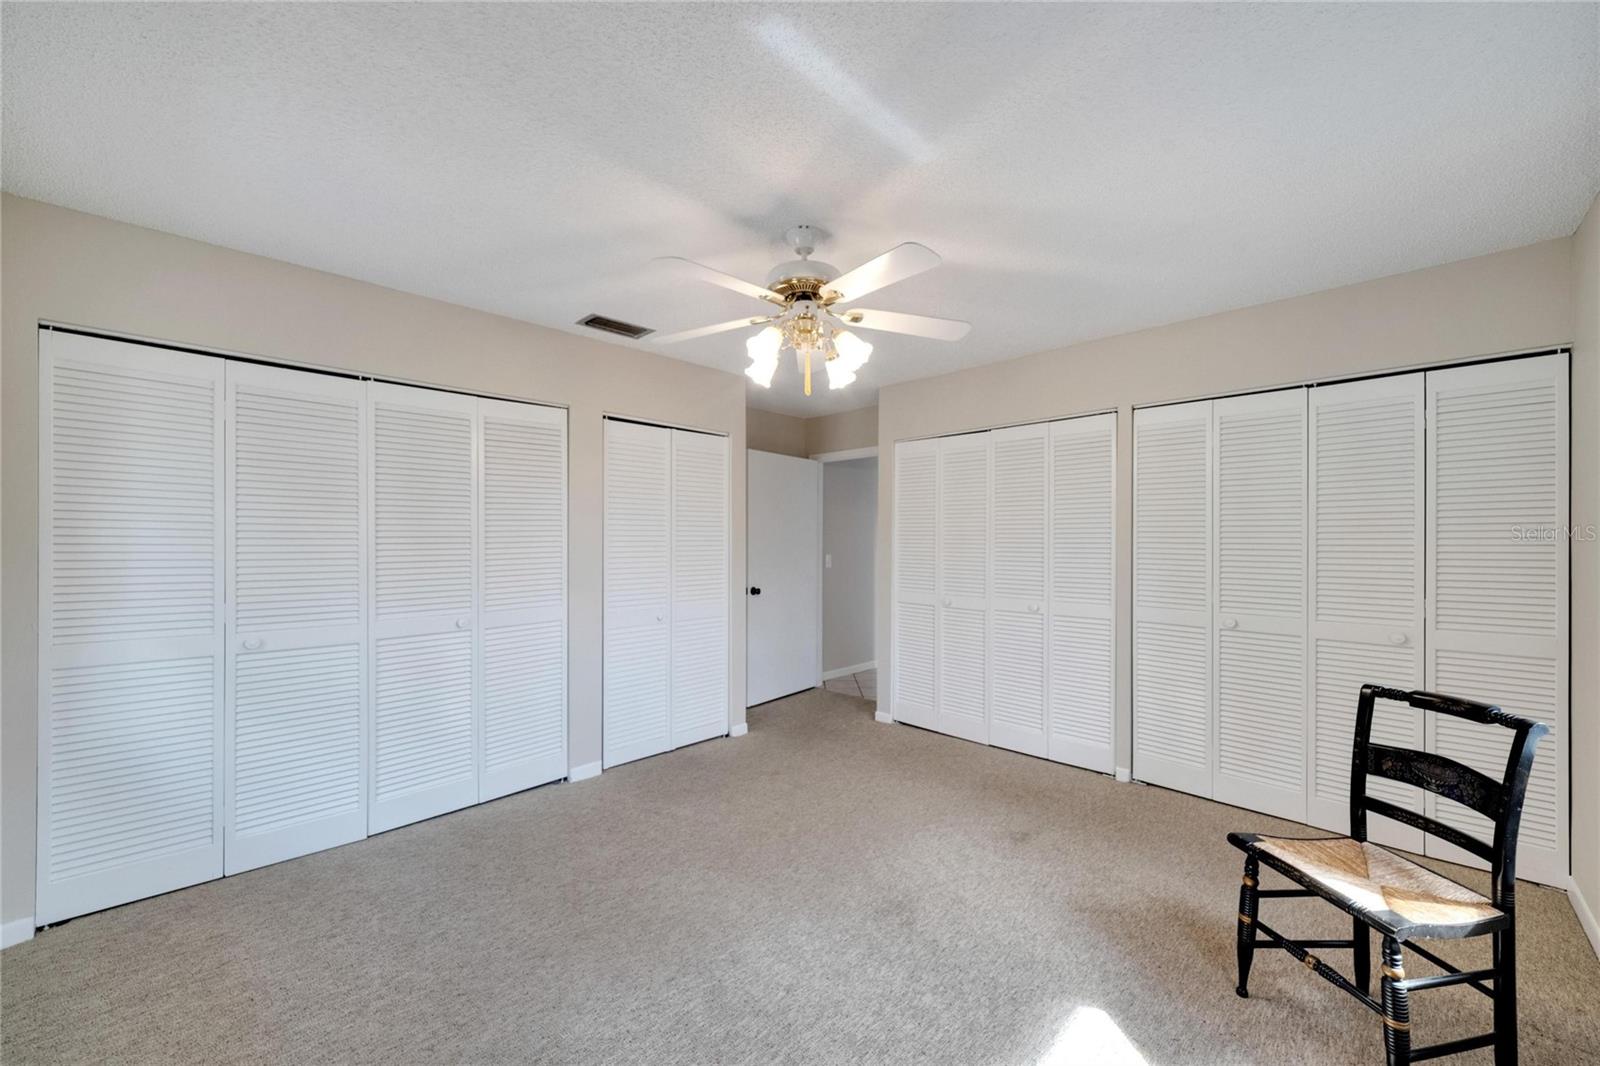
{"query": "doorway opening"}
[(849, 544)]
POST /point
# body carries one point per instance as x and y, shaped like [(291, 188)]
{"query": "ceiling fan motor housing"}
[(798, 276)]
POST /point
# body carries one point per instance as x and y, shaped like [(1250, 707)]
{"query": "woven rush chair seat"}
[(1401, 898)]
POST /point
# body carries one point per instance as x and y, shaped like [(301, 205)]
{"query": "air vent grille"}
[(613, 325)]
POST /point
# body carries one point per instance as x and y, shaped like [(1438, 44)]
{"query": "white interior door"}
[(1259, 448), (701, 582), (1498, 568), (1173, 728), (131, 623), (916, 544), (783, 642), (962, 658), (1082, 648), (425, 742), (1019, 512), (297, 680), (638, 591), (522, 606), (1365, 588)]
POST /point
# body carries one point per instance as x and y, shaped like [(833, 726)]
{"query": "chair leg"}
[(1396, 1005), (1247, 923), (1505, 998), (1361, 955)]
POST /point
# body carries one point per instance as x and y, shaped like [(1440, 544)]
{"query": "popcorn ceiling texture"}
[(1085, 170)]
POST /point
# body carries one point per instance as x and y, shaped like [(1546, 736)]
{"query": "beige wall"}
[(769, 431), (1586, 564), (1510, 301), (842, 432), (73, 268)]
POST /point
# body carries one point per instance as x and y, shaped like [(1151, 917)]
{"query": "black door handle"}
[(755, 591)]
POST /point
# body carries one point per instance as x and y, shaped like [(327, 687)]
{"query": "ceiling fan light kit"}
[(809, 323)]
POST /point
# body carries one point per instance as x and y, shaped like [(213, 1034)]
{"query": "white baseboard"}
[(846, 671), (882, 716), (15, 932), (1586, 917), (1124, 774), (739, 729), (584, 772)]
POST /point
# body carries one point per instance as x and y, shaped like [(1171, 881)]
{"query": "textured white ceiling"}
[(1085, 170)]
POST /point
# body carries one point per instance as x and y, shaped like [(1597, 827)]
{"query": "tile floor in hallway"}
[(864, 684)]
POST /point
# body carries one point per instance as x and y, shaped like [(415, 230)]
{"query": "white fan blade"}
[(939, 329), (717, 277), (898, 263), (706, 331)]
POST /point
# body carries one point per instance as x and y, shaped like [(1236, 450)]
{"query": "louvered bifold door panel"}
[(1019, 510), (1498, 567), (701, 585), (130, 625), (1080, 640), (962, 657), (1173, 732), (1365, 590), (1259, 445), (638, 591), (424, 600), (522, 603), (296, 691), (913, 685)]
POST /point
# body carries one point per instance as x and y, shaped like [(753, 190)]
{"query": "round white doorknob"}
[(461, 623), (947, 601), (660, 616), (1034, 607), (1397, 638), (252, 644), (1230, 623)]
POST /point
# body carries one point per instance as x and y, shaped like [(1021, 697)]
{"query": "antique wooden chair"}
[(1401, 900)]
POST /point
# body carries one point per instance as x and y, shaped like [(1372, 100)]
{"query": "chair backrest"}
[(1500, 801)]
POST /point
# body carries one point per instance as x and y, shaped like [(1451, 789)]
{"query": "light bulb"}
[(763, 347), (853, 351), (760, 371), (839, 375)]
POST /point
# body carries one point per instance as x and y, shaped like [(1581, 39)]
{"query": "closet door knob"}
[(1033, 607), (1397, 639), (461, 623), (253, 644), (947, 601), (1230, 623), (660, 616)]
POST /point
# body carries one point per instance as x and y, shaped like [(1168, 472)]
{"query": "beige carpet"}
[(826, 889)]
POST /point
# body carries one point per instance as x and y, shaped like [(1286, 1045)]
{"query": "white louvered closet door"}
[(522, 602), (296, 708), (916, 539), (424, 600), (131, 623), (1019, 510), (962, 659), (701, 585), (1498, 567), (1366, 587), (1260, 566), (1082, 649), (1173, 732), (638, 591)]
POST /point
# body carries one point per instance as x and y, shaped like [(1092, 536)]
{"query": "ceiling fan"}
[(811, 320)]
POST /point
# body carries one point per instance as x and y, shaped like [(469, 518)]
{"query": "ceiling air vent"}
[(612, 325)]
